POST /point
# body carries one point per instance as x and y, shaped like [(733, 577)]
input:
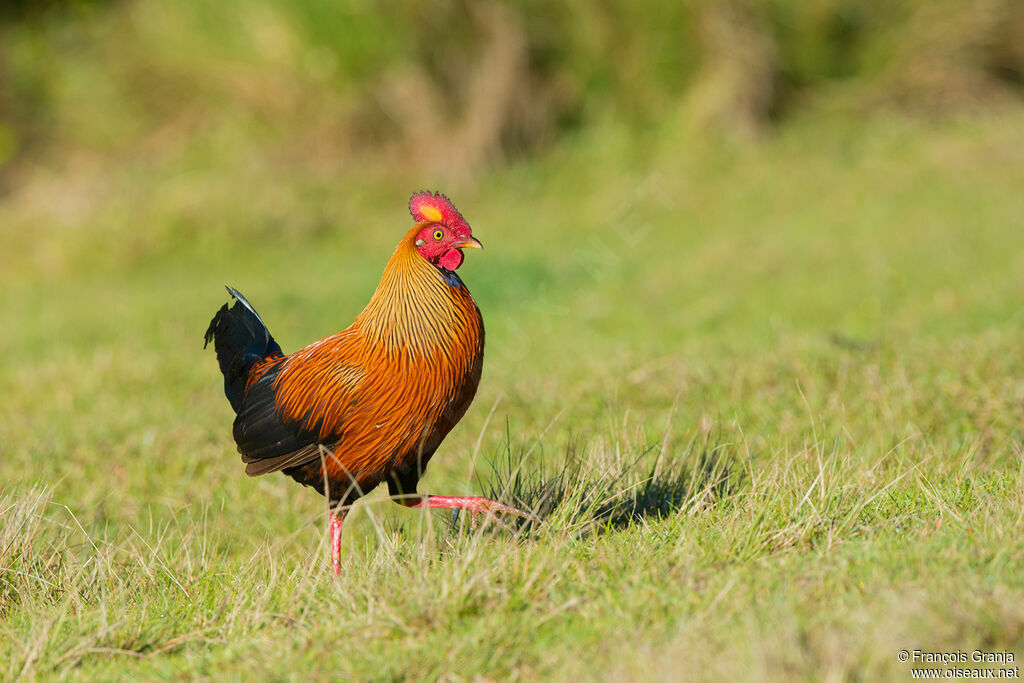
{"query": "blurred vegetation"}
[(104, 103), (456, 85)]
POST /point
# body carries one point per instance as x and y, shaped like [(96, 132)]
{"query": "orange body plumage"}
[(373, 402), (380, 395)]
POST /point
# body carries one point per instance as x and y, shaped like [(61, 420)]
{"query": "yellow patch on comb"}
[(431, 213)]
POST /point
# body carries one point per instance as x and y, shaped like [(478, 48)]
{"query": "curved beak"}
[(470, 243)]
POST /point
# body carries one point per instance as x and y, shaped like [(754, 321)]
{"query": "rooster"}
[(373, 402)]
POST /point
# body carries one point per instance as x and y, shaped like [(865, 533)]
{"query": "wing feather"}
[(299, 403)]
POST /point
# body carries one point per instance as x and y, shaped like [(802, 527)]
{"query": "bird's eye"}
[(438, 234)]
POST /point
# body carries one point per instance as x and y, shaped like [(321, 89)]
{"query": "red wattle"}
[(451, 259)]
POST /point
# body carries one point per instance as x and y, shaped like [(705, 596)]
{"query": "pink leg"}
[(336, 519), (474, 504)]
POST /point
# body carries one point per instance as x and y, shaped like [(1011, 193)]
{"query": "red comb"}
[(436, 208)]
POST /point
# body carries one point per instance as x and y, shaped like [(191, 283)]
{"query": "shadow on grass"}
[(603, 487)]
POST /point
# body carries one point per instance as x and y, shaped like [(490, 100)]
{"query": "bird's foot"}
[(476, 505)]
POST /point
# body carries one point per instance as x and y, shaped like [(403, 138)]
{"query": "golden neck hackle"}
[(414, 308)]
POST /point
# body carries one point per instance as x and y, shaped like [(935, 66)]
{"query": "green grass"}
[(768, 398)]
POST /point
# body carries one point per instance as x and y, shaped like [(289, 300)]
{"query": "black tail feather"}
[(241, 340)]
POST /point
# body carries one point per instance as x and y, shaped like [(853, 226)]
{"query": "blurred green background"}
[(131, 128), (791, 229)]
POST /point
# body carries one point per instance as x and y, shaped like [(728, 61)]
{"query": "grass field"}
[(769, 399)]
